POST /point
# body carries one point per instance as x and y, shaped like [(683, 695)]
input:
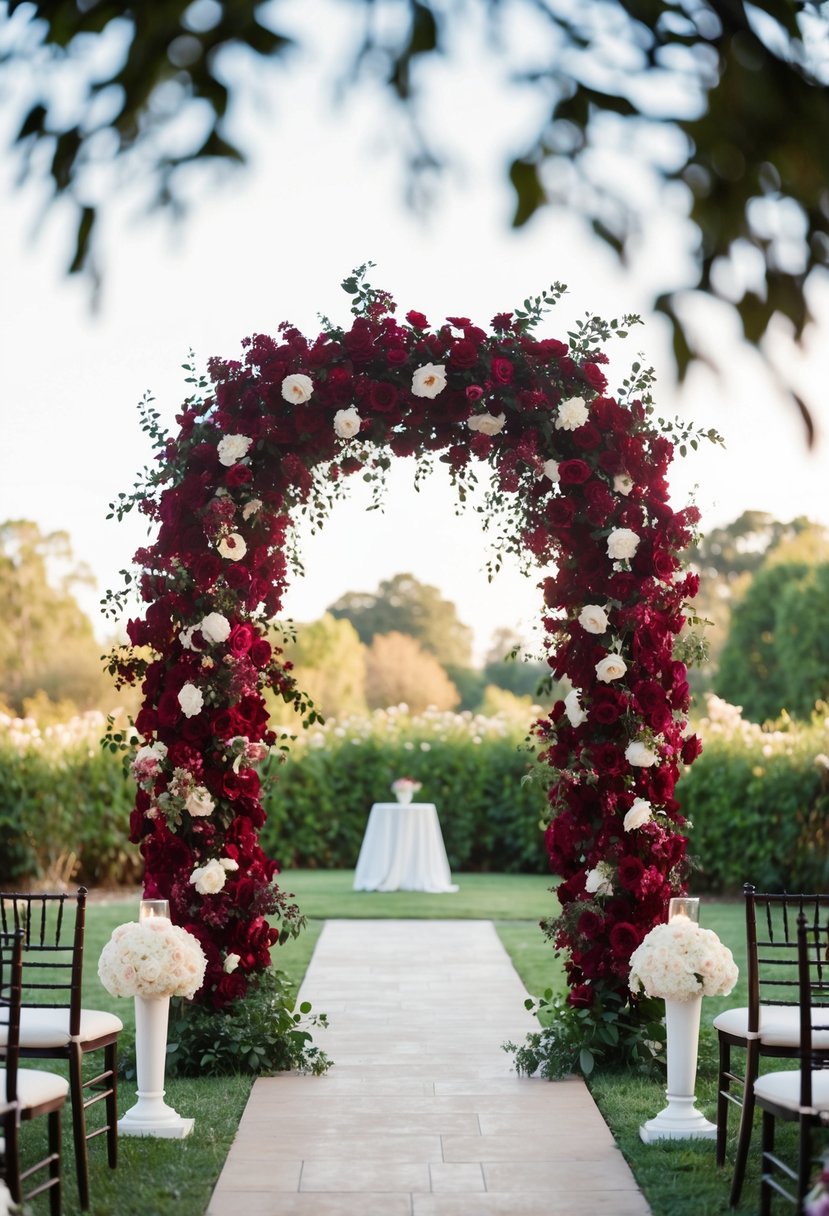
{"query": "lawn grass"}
[(176, 1178)]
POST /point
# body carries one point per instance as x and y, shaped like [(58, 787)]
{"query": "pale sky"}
[(323, 195)]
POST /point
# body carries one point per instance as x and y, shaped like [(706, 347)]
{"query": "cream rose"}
[(611, 667), (231, 963), (232, 546), (233, 448), (639, 813), (487, 424), (191, 700), (551, 471), (623, 483), (251, 508), (199, 803), (572, 414), (598, 881), (572, 708), (593, 619), (640, 755), (215, 627), (429, 380), (347, 423), (209, 878), (297, 388), (622, 543)]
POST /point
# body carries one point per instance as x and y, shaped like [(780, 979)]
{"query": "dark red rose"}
[(624, 938), (238, 475), (240, 640), (169, 709), (573, 472), (594, 376), (502, 370), (580, 996), (260, 653), (396, 356), (230, 988), (417, 320), (463, 354), (382, 396), (691, 748)]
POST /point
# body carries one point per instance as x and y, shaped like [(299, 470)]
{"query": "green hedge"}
[(758, 799)]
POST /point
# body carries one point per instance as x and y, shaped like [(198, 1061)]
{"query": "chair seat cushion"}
[(779, 1026), (783, 1088), (43, 1028), (35, 1086)]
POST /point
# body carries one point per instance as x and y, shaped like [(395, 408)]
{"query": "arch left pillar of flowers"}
[(579, 482)]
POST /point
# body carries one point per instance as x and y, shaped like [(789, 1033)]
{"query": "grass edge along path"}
[(678, 1179)]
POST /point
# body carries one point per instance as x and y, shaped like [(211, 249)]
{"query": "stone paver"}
[(421, 1114)]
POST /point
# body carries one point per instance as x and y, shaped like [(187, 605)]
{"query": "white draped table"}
[(403, 850)]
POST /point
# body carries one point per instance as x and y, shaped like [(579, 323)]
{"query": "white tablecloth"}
[(403, 850)]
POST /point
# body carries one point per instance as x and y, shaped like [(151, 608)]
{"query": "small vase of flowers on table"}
[(405, 788)]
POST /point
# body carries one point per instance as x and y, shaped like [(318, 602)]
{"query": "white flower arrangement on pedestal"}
[(680, 961), (152, 958), (405, 785)]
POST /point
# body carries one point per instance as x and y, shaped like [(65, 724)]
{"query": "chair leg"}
[(722, 1101), (766, 1163), (111, 1064), (79, 1124), (54, 1163), (746, 1121), (12, 1153), (804, 1162)]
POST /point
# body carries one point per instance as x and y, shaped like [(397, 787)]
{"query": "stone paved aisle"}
[(421, 1114)]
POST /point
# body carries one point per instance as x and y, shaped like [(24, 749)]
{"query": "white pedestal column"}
[(680, 1120), (151, 1116)]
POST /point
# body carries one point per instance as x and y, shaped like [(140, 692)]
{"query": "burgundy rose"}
[(573, 472), (502, 370), (463, 354), (417, 320), (240, 640), (382, 396)]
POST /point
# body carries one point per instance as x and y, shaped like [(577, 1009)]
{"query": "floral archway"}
[(579, 491)]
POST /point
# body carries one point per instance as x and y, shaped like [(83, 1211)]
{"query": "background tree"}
[(330, 665), (507, 666), (399, 670), (46, 641), (402, 604), (721, 103), (773, 658)]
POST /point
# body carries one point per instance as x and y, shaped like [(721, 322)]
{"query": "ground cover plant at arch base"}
[(579, 494)]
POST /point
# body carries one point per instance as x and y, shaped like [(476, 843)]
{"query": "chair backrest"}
[(11, 977), (53, 926), (813, 993), (772, 946)]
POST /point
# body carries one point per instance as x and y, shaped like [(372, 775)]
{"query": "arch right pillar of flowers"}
[(579, 490)]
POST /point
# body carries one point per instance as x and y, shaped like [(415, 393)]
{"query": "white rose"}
[(191, 700), (199, 803), (551, 471), (639, 755), (297, 388), (233, 448), (429, 380), (186, 637), (623, 483), (487, 424), (572, 414), (622, 544), (152, 751), (215, 627), (572, 708), (232, 546), (227, 863), (611, 667), (209, 879), (231, 963), (251, 508), (347, 423), (639, 813), (593, 619), (598, 883)]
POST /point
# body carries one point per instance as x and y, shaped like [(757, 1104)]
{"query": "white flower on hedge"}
[(572, 708), (611, 667), (233, 448), (640, 755), (347, 423), (593, 618), (210, 878), (231, 963), (551, 471), (639, 813), (486, 424), (232, 546), (429, 380), (215, 627), (199, 803), (191, 700), (572, 414), (623, 483), (622, 543), (297, 388), (598, 881)]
